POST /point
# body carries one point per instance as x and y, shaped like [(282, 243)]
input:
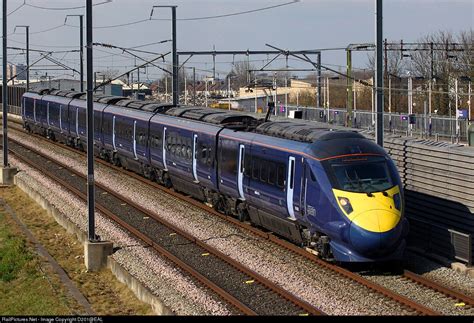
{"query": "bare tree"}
[(453, 62), (240, 74)]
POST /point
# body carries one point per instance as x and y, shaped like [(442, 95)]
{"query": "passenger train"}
[(334, 191)]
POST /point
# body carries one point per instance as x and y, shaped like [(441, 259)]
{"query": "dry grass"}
[(105, 293)]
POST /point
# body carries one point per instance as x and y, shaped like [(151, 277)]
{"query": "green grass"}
[(24, 288)]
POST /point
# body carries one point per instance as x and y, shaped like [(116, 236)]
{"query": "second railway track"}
[(413, 305), (247, 291)]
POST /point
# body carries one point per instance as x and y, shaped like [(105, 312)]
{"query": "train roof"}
[(150, 106), (303, 132), (207, 115)]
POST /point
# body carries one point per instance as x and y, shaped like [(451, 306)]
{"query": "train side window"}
[(247, 165), (209, 157), (203, 150), (272, 173), (255, 168), (264, 171), (281, 173)]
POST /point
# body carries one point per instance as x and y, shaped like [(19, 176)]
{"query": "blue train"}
[(333, 191)]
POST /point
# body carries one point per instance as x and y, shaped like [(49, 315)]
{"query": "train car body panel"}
[(30, 102), (335, 191)]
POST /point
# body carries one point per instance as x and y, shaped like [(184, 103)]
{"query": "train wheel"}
[(242, 213)]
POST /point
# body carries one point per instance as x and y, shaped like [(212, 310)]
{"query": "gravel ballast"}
[(332, 294)]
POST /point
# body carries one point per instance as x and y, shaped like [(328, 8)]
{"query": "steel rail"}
[(280, 242), (310, 309), (437, 287)]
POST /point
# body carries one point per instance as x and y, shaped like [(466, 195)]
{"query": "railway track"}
[(247, 291), (404, 301)]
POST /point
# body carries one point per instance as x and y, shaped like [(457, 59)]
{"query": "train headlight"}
[(345, 204), (397, 201)]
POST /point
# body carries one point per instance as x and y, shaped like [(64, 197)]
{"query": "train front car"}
[(360, 204)]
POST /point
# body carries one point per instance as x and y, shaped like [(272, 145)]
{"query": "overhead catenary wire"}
[(63, 8)]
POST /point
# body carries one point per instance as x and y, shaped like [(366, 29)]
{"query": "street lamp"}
[(175, 52), (81, 46), (27, 54)]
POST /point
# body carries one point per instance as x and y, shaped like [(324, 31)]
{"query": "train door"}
[(240, 172), (47, 114), (228, 162), (135, 139), (290, 187), (114, 133), (204, 153), (141, 142), (294, 186), (61, 118), (165, 166), (194, 158)]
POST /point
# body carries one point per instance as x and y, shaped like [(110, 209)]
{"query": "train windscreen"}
[(367, 174)]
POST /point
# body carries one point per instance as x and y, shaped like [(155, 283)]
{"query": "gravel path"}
[(332, 294)]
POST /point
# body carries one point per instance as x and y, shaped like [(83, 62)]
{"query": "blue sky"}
[(308, 24)]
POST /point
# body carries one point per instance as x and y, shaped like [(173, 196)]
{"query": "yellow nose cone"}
[(375, 213), (377, 220)]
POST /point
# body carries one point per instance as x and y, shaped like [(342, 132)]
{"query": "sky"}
[(307, 24)]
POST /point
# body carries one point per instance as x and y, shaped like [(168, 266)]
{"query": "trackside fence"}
[(439, 187)]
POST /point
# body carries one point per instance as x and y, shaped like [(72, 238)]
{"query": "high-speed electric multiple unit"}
[(334, 191)]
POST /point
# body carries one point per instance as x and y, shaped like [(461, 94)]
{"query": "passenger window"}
[(209, 157), (255, 168), (281, 173), (247, 165), (264, 171), (271, 173)]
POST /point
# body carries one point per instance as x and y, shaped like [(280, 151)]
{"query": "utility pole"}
[(379, 72), (286, 88), (458, 126), (185, 89), (318, 81), (355, 105), (410, 102), (27, 30), (175, 61), (81, 46), (228, 90), (206, 91), (5, 90), (255, 89), (90, 126), (194, 86), (349, 88), (469, 100)]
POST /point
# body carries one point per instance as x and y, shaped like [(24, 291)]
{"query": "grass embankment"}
[(27, 290), (26, 286)]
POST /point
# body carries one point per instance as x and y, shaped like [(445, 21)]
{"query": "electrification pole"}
[(4, 88), (175, 61), (81, 46), (379, 72), (90, 125), (27, 30), (318, 81)]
